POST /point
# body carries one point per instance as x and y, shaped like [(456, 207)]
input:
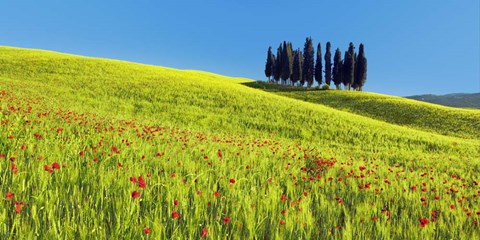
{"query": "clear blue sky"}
[(412, 46)]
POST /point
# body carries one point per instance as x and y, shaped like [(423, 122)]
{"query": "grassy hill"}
[(463, 123), (216, 155), (460, 100)]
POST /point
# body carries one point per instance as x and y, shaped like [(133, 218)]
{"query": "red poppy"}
[(135, 194), (219, 153), (226, 220), (13, 167), (478, 213), (175, 202), (204, 232), (147, 230), (141, 182), (216, 194), (18, 206), (282, 222), (175, 215), (374, 218), (82, 154), (423, 222), (283, 197), (55, 165), (232, 180), (133, 179), (9, 196), (48, 168), (115, 150), (452, 206)]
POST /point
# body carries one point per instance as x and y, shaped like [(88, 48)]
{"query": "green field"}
[(240, 162)]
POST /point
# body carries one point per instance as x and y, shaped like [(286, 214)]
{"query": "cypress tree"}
[(287, 61), (300, 58), (296, 71), (269, 64), (278, 64), (328, 64), (351, 64), (337, 73), (360, 69), (318, 66), (308, 61), (348, 70)]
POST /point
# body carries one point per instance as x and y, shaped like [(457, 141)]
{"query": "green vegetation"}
[(461, 100), (95, 148)]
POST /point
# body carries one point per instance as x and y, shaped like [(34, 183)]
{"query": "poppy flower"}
[(175, 202), (423, 222), (226, 220), (282, 222), (452, 206), (147, 230), (216, 194), (219, 154), (374, 218), (478, 213), (9, 196), (133, 179), (55, 165), (283, 197), (204, 232), (48, 168), (175, 215), (18, 206), (135, 194), (232, 180), (141, 182)]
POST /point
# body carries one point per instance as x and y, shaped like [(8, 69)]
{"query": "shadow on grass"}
[(273, 87)]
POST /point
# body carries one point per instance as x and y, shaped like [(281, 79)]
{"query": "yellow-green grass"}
[(429, 117), (188, 132)]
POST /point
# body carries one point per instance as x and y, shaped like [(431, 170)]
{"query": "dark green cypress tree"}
[(360, 69), (274, 66), (318, 66), (348, 70), (337, 73), (300, 58), (278, 64), (351, 51), (269, 64), (328, 64), (296, 71), (287, 61), (308, 62)]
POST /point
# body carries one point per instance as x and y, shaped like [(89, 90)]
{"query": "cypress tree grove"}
[(328, 64), (300, 58), (278, 64), (348, 69), (318, 66), (337, 73), (308, 62), (360, 69), (269, 64), (287, 61)]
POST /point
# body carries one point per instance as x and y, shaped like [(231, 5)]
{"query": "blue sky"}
[(412, 46)]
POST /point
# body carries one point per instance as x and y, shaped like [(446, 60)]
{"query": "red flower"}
[(478, 213), (9, 196), (115, 150), (175, 202), (216, 194), (282, 222), (141, 182), (423, 222), (226, 220), (135, 194), (219, 153), (204, 232), (452, 206), (56, 165), (82, 154), (232, 180), (147, 230), (133, 179), (175, 215), (437, 197), (414, 188), (18, 206), (374, 218), (13, 167), (48, 168), (283, 197), (305, 194)]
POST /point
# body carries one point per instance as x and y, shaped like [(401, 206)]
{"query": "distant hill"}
[(461, 100)]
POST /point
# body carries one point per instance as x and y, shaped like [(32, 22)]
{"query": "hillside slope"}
[(464, 123)]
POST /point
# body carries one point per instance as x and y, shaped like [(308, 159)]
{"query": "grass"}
[(283, 168)]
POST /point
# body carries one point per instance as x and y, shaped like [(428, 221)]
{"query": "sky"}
[(413, 47)]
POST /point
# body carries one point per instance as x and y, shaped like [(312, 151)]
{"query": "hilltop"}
[(459, 100)]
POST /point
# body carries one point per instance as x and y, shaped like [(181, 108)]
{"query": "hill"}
[(97, 148), (459, 100), (447, 121)]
